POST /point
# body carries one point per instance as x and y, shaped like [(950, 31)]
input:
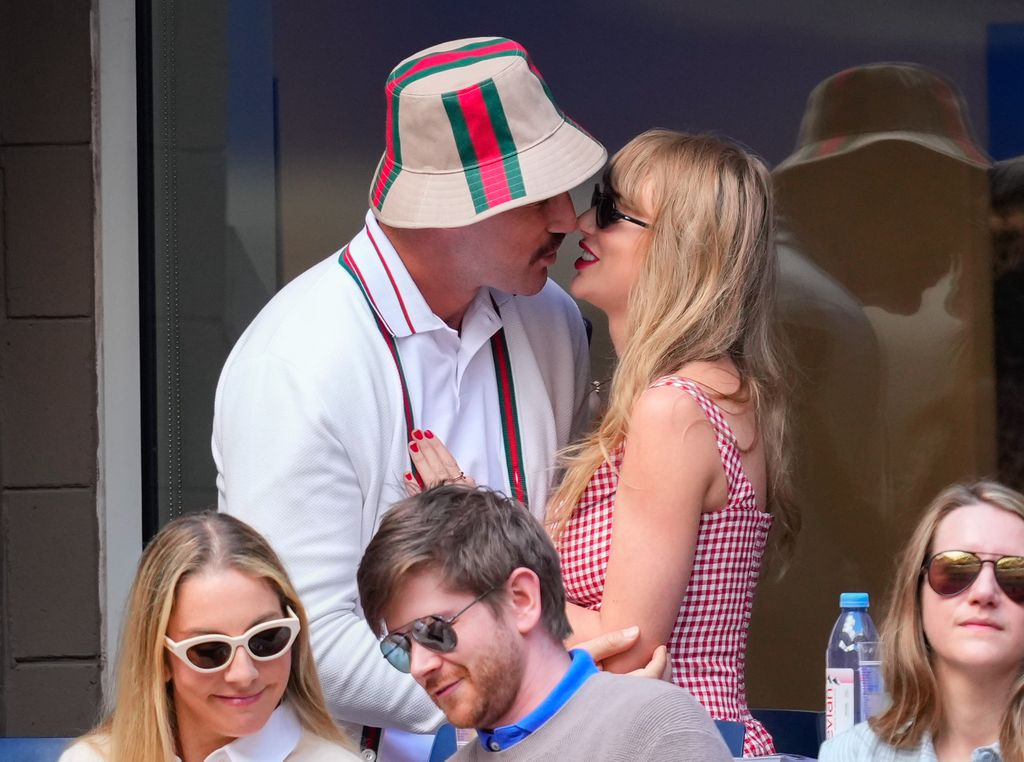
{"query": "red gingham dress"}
[(708, 645)]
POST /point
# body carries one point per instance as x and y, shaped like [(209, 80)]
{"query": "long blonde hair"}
[(140, 723), (906, 658), (706, 290)]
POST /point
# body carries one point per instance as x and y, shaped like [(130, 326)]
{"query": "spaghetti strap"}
[(708, 643), (741, 490)]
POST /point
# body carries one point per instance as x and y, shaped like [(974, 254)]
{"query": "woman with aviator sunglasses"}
[(953, 638), (215, 661), (662, 517)]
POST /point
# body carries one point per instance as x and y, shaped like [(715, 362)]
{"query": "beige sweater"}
[(311, 748), (619, 717)]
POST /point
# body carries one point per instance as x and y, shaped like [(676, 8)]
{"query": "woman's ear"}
[(523, 588)]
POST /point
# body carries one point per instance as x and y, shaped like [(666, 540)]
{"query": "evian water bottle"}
[(853, 689)]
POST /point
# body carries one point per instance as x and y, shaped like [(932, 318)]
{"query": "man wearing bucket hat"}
[(439, 312)]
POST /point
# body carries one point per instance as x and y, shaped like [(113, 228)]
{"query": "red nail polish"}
[(414, 447), (417, 434), (408, 476), (429, 434)]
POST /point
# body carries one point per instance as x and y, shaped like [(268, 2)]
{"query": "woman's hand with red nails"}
[(434, 463)]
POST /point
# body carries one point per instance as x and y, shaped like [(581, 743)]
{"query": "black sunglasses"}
[(604, 204), (953, 571), (434, 632)]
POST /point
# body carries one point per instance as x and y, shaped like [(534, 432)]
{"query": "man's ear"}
[(523, 588)]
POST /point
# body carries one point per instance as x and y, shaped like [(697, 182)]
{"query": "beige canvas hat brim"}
[(473, 131), (431, 200)]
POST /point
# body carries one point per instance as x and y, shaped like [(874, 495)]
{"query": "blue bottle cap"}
[(853, 600)]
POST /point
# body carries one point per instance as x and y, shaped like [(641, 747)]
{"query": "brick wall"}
[(49, 607)]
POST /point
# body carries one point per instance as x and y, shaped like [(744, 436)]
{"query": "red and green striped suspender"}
[(509, 416), (502, 373)]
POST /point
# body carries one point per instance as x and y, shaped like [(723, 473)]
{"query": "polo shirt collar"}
[(580, 670), (393, 293), (388, 285), (273, 743)]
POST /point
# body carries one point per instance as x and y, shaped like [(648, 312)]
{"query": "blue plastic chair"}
[(732, 733), (32, 749), (795, 731), (445, 745)]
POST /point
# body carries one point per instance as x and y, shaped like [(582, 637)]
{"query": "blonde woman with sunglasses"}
[(953, 638), (215, 663), (663, 514)]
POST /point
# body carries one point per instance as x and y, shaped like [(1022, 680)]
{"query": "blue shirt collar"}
[(581, 668)]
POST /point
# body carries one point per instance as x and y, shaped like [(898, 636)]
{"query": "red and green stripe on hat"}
[(477, 119)]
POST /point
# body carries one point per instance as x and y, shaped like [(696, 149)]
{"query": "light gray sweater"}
[(618, 717)]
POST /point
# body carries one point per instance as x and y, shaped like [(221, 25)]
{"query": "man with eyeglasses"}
[(438, 315), (465, 588)]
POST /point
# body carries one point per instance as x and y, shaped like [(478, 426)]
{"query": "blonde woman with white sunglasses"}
[(215, 662)]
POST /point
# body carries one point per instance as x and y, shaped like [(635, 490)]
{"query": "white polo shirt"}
[(450, 375), (310, 437)]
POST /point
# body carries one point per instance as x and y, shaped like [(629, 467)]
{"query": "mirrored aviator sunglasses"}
[(953, 571), (263, 642), (434, 632)]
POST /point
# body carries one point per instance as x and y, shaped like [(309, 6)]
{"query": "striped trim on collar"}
[(390, 289), (388, 285)]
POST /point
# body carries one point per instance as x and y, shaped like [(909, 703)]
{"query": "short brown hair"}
[(474, 537)]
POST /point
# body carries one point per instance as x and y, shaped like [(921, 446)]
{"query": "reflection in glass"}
[(885, 295), (1007, 226), (886, 198)]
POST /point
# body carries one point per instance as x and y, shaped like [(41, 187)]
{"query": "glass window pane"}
[(267, 123)]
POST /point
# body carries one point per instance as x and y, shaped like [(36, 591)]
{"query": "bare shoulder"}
[(666, 407), (671, 443)]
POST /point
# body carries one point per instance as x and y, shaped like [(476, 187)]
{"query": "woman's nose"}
[(985, 588), (242, 669), (587, 221)]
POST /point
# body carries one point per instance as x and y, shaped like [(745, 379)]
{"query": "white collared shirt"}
[(450, 374), (273, 743), (310, 441)]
